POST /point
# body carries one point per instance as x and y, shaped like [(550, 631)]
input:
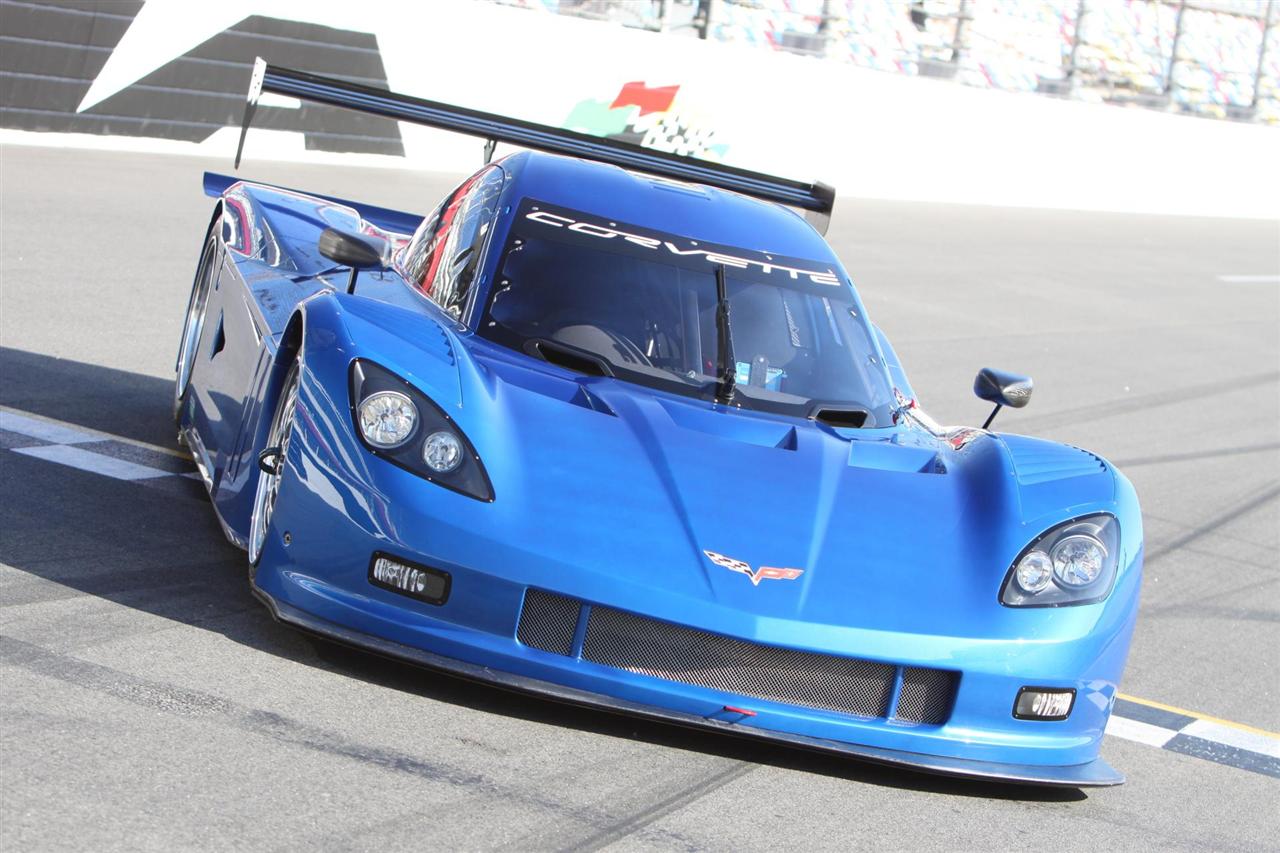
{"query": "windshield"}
[(644, 303)]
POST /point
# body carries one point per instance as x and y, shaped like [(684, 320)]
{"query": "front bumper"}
[(474, 635), (1095, 773)]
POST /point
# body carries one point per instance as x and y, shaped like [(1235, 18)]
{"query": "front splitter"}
[(1092, 774)]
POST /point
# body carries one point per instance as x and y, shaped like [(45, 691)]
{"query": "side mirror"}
[(1003, 389), (351, 250)]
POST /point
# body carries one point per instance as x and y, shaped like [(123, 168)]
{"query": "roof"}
[(688, 210)]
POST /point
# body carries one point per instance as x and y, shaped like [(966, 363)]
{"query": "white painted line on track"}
[(1133, 730), (1250, 279), (24, 421), (87, 460), (1219, 733), (45, 430)]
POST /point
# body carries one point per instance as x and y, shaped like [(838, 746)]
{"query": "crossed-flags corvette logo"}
[(756, 575)]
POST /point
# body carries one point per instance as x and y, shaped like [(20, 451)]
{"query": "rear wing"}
[(816, 199)]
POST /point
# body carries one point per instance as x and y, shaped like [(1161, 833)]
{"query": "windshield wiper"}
[(726, 367)]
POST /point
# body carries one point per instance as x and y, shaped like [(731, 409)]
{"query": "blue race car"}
[(612, 426)]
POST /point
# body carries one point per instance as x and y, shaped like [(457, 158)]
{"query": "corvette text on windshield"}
[(603, 232)]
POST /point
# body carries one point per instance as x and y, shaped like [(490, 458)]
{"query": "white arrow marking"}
[(167, 29)]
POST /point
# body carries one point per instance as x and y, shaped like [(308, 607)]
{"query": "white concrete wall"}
[(868, 133)]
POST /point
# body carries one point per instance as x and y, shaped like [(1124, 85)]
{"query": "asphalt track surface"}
[(148, 702)]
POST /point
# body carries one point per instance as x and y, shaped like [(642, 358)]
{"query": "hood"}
[(626, 490)]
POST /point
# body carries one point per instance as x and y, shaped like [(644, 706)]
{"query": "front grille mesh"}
[(662, 650), (645, 646), (548, 621), (926, 695)]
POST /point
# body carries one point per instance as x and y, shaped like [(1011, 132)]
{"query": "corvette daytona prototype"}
[(612, 426)]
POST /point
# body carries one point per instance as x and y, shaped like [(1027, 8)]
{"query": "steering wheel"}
[(630, 350), (606, 343)]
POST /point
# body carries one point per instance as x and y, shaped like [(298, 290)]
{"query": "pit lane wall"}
[(170, 75)]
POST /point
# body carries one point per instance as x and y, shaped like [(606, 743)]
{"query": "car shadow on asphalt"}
[(133, 531)]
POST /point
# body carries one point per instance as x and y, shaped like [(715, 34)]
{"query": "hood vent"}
[(1037, 461), (568, 357), (841, 417), (424, 333), (735, 426), (441, 349), (588, 400), (887, 456)]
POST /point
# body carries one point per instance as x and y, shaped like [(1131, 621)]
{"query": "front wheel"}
[(271, 462), (197, 307)]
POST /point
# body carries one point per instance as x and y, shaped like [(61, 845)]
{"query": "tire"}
[(193, 327), (268, 490)]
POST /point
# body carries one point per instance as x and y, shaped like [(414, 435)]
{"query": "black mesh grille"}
[(926, 695), (662, 650), (548, 621)]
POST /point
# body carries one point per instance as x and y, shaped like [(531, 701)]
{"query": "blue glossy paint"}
[(610, 492)]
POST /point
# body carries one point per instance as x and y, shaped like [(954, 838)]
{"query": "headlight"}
[(1073, 563), (387, 418), (442, 452), (1034, 572), (1078, 561), (399, 423)]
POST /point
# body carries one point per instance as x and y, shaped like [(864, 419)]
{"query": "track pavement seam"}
[(189, 703), (655, 812), (1143, 402), (1242, 506)]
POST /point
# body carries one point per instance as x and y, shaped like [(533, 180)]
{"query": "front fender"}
[(409, 343)]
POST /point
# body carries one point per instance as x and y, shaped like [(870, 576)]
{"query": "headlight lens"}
[(400, 424), (387, 418), (1073, 563), (1034, 572), (1078, 560), (442, 452)]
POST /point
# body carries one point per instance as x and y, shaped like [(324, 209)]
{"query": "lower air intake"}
[(662, 650), (926, 695), (548, 621)]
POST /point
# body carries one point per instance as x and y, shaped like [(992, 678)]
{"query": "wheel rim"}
[(264, 502), (194, 325)]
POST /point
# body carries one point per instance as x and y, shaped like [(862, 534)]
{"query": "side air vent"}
[(220, 336)]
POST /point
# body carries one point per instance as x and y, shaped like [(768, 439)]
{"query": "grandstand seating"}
[(1123, 53)]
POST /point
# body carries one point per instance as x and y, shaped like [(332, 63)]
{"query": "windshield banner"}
[(542, 221)]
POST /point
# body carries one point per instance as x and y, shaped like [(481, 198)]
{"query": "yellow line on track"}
[(105, 436), (1199, 716)]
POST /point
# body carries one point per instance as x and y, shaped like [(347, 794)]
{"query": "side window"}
[(444, 254), (413, 259)]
